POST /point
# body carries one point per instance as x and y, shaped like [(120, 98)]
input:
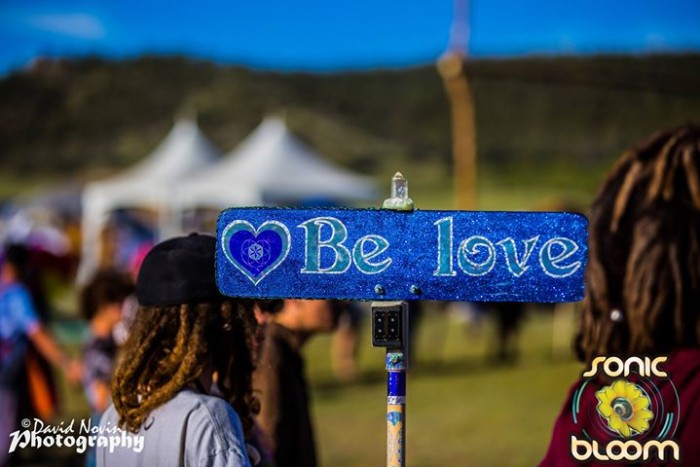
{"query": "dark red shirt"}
[(683, 368)]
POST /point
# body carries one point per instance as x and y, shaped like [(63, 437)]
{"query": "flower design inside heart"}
[(255, 252)]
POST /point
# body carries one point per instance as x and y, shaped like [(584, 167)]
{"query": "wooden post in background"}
[(452, 69)]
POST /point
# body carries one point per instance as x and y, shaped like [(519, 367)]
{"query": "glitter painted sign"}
[(374, 254)]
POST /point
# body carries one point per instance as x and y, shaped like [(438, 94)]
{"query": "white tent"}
[(272, 165), (150, 184)]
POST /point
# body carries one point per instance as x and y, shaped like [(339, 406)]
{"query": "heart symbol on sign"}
[(255, 252)]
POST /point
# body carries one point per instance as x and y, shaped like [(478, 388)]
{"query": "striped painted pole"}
[(395, 408), (395, 358)]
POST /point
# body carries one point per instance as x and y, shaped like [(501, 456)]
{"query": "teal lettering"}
[(518, 266), (551, 260), (363, 259), (471, 247), (334, 243), (445, 244)]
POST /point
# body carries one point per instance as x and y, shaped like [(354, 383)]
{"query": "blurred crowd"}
[(207, 377)]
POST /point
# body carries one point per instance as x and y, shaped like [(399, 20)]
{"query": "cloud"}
[(78, 25)]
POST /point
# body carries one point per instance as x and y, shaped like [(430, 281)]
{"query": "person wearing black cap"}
[(184, 382)]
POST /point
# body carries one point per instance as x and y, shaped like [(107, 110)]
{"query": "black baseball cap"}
[(178, 271)]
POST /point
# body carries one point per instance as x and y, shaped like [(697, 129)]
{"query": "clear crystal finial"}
[(399, 194)]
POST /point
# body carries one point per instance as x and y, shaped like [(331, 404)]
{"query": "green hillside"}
[(559, 120)]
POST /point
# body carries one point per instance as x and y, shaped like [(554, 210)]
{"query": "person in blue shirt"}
[(20, 326)]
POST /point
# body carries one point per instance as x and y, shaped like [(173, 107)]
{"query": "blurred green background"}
[(547, 131), (546, 127)]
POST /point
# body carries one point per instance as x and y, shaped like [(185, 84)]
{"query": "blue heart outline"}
[(237, 226)]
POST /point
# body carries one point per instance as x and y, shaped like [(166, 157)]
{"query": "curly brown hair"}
[(169, 346), (107, 286), (644, 255)]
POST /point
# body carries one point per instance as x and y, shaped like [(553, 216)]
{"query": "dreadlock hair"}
[(644, 258), (169, 346)]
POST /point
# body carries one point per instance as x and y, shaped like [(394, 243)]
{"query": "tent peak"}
[(275, 121), (185, 123), (188, 114)]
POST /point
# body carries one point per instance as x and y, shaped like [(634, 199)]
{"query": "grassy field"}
[(462, 410)]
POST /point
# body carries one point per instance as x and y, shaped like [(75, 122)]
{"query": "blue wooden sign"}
[(374, 254)]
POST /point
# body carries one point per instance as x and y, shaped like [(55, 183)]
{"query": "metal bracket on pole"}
[(390, 330)]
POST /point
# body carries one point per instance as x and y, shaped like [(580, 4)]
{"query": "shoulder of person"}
[(17, 292), (208, 426), (20, 306), (110, 417), (213, 427), (215, 408)]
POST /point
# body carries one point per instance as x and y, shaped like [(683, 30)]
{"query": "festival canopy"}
[(150, 184), (272, 166)]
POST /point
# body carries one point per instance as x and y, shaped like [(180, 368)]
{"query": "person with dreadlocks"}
[(184, 382), (643, 280)]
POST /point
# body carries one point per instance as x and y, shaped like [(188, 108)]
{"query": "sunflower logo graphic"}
[(625, 406)]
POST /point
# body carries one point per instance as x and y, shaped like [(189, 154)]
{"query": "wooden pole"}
[(451, 67)]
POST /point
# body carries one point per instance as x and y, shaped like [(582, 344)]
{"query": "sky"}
[(328, 35)]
